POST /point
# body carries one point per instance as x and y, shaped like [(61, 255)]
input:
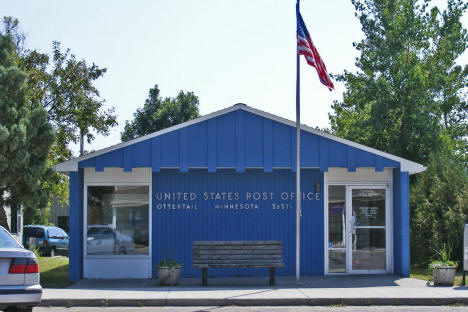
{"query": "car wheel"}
[(52, 252)]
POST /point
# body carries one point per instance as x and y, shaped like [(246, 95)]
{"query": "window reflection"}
[(118, 220), (336, 216), (369, 207)]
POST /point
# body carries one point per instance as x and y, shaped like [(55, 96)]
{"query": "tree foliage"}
[(159, 113), (409, 92), (440, 200), (409, 98), (25, 137), (64, 87)]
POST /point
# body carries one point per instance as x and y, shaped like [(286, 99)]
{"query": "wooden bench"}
[(237, 254)]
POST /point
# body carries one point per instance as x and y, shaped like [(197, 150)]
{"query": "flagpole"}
[(298, 167)]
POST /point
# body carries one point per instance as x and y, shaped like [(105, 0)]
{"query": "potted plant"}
[(169, 272), (443, 270)]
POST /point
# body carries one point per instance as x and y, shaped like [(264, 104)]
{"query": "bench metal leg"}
[(272, 276), (204, 273)]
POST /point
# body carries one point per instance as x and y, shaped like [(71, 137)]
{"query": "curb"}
[(252, 302)]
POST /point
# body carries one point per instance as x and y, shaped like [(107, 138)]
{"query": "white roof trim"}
[(406, 165)]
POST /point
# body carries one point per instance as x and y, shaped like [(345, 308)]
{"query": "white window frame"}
[(116, 178), (349, 185)]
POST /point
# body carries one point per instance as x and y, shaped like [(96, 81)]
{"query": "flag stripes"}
[(306, 47)]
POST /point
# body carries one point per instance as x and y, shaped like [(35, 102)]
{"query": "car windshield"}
[(6, 241)]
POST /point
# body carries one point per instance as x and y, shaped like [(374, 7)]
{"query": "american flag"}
[(306, 47)]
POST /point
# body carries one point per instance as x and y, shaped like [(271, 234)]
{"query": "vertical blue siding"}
[(226, 141), (75, 271), (293, 147), (401, 237), (100, 162), (240, 142), (379, 167), (281, 145), (170, 149), (127, 159), (141, 154), (237, 140), (338, 157), (310, 148), (351, 159), (212, 154), (184, 151), (323, 154), (198, 145), (254, 143), (156, 154), (174, 230), (267, 145), (364, 158)]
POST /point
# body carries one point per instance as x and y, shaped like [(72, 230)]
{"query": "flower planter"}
[(169, 276), (444, 275)]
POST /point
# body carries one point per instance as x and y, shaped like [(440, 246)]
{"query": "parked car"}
[(19, 275), (50, 240), (105, 240)]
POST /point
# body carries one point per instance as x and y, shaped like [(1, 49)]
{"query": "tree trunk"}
[(14, 218), (81, 143), (3, 216)]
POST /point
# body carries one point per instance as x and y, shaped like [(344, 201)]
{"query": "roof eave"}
[(406, 165)]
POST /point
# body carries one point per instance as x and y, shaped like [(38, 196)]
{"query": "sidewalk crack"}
[(167, 295), (300, 290), (338, 282)]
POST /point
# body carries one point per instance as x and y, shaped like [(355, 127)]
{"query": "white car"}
[(19, 275), (104, 240)]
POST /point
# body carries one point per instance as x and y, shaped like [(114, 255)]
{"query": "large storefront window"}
[(118, 220)]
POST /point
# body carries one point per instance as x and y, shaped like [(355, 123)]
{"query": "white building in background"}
[(16, 229)]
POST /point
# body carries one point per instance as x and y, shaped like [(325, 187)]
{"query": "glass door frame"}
[(349, 186), (349, 245)]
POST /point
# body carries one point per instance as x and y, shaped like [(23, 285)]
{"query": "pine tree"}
[(25, 137)]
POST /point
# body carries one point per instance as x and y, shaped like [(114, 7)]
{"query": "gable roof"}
[(406, 165)]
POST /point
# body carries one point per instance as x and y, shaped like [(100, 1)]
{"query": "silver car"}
[(104, 240), (19, 275)]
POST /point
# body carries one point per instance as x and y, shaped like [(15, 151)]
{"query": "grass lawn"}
[(54, 272), (423, 273)]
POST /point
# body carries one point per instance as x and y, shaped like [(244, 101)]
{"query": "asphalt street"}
[(259, 309)]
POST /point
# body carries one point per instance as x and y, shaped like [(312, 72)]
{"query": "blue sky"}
[(225, 51)]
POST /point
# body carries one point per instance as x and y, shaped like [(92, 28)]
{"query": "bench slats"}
[(266, 262), (236, 247), (206, 266), (237, 257), (237, 254), (241, 243), (277, 251)]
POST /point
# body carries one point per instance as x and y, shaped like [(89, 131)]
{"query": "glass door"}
[(357, 229), (337, 235), (368, 238)]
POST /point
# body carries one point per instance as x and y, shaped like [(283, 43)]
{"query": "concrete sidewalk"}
[(330, 290)]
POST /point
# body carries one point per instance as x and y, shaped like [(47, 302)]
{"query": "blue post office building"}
[(230, 175)]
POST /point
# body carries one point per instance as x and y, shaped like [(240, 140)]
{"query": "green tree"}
[(25, 137), (440, 200), (408, 90), (409, 98), (63, 86), (67, 92), (159, 113)]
